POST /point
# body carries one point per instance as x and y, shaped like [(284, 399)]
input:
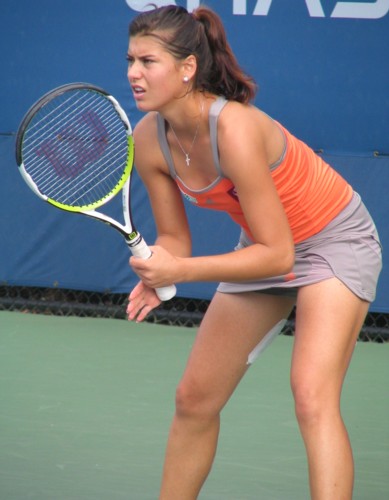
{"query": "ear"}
[(189, 67)]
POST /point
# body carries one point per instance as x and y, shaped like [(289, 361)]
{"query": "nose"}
[(133, 72)]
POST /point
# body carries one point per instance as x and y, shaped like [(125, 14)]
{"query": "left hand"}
[(142, 300)]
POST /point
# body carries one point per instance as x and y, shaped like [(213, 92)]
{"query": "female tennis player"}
[(306, 240)]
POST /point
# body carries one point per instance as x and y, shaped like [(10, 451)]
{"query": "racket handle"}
[(142, 251)]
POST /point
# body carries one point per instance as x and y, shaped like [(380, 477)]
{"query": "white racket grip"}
[(142, 251)]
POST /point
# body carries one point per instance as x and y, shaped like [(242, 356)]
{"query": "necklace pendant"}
[(187, 157)]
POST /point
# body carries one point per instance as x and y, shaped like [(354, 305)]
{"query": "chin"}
[(144, 106)]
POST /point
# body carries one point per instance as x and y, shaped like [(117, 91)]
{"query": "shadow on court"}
[(86, 406)]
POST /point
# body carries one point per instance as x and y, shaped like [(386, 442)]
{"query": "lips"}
[(138, 91)]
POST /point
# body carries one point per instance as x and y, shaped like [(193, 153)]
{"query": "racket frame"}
[(133, 238)]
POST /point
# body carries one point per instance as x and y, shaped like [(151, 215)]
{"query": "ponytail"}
[(201, 34), (225, 76)]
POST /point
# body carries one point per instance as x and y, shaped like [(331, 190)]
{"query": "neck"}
[(184, 114), (186, 135)]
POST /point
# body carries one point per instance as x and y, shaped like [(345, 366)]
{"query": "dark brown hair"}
[(201, 34)]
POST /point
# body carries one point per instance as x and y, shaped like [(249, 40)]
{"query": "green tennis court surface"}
[(86, 405)]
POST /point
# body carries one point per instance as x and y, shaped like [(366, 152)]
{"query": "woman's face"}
[(155, 76)]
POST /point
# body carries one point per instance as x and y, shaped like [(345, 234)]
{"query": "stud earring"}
[(185, 79)]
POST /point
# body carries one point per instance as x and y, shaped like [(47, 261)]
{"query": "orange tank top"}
[(311, 191)]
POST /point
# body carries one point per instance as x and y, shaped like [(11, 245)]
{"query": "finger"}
[(134, 306), (143, 313), (137, 300), (136, 292), (138, 312), (137, 263)]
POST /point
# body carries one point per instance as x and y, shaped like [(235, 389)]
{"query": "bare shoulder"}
[(244, 132), (146, 130), (237, 117)]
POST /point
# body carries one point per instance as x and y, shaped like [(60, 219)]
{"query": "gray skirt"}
[(348, 248)]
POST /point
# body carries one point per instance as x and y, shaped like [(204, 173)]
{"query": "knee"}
[(193, 401), (311, 403)]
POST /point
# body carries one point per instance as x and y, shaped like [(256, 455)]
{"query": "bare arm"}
[(173, 232)]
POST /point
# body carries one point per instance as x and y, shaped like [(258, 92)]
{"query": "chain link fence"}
[(179, 311)]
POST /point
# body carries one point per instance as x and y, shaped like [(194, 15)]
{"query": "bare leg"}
[(329, 318), (232, 327)]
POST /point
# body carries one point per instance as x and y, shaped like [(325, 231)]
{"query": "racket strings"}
[(73, 192), (76, 148), (68, 152), (100, 188), (45, 125)]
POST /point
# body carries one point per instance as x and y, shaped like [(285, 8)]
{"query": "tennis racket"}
[(75, 150)]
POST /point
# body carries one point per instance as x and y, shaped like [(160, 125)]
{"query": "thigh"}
[(328, 320), (232, 327)]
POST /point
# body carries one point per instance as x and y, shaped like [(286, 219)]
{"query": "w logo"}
[(80, 143)]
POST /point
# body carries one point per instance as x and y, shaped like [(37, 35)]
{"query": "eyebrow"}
[(142, 56)]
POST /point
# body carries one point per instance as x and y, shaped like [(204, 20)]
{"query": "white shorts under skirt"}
[(348, 248)]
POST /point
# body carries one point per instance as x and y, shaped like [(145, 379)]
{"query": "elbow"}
[(289, 262), (185, 246), (286, 260)]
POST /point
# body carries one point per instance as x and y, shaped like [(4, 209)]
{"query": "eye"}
[(130, 59)]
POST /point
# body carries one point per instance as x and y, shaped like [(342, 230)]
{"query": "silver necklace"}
[(187, 153)]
